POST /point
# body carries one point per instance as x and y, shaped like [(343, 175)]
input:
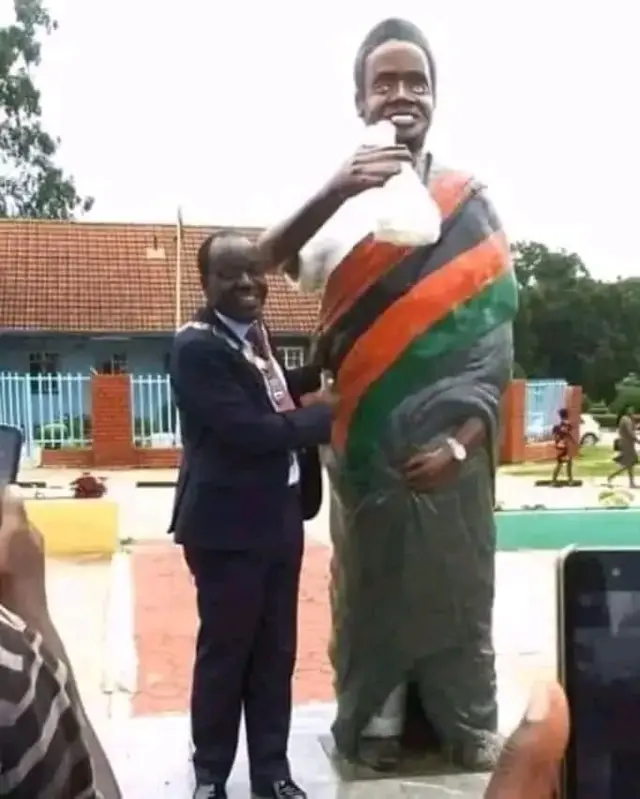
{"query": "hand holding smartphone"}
[(10, 450), (599, 667)]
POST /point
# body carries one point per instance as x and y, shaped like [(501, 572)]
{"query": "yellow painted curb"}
[(76, 526)]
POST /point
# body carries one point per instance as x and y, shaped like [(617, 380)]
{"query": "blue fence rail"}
[(543, 400), (154, 418), (53, 411)]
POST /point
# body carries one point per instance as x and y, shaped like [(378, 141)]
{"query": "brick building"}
[(79, 298)]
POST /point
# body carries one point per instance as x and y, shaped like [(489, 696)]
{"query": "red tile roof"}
[(84, 277)]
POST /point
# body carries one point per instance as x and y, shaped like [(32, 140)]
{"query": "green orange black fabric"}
[(418, 340)]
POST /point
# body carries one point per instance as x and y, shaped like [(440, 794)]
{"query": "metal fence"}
[(543, 400), (53, 411), (154, 417)]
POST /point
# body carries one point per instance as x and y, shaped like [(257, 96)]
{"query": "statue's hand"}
[(431, 469), (530, 762)]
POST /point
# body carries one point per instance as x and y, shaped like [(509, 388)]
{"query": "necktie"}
[(278, 390), (258, 340)]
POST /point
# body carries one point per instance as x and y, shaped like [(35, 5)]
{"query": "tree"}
[(31, 183), (627, 394), (572, 326)]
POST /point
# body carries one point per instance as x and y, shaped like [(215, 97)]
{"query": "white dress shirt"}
[(241, 329)]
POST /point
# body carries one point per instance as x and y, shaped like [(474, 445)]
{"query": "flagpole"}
[(178, 290)]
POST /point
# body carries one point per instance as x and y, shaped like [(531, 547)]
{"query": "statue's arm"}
[(280, 246), (472, 433)]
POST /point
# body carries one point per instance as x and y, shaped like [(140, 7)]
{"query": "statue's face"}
[(398, 86)]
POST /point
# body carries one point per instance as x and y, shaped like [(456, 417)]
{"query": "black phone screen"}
[(602, 673), (10, 448)]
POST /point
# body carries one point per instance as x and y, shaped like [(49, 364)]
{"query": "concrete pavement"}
[(91, 602), (151, 753), (79, 595), (524, 630), (145, 512)]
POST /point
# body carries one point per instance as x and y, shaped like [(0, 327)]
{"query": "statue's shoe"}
[(478, 755), (380, 754)]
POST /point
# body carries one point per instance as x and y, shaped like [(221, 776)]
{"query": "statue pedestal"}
[(426, 776)]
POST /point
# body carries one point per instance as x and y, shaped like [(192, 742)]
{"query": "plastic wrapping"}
[(405, 212), (400, 213), (417, 340)]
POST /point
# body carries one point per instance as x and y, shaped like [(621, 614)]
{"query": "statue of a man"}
[(418, 340)]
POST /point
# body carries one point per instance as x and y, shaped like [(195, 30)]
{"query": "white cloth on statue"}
[(354, 221), (389, 720)]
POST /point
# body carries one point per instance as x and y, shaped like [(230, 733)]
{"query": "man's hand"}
[(529, 766), (22, 564), (323, 397), (431, 469)]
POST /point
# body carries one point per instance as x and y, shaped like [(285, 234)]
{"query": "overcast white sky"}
[(237, 110)]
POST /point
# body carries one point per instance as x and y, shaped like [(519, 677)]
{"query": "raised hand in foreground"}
[(38, 754), (529, 766)]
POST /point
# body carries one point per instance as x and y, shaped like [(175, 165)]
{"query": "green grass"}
[(591, 462)]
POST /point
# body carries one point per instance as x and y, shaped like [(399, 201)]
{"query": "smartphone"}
[(10, 450), (599, 667)]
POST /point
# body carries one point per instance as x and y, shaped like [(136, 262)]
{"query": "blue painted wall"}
[(145, 354), (29, 403)]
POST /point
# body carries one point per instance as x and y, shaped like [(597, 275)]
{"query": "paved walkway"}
[(151, 758), (141, 608), (165, 625), (79, 595), (145, 512), (165, 629)]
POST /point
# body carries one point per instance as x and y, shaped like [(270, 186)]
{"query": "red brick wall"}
[(158, 458), (112, 445), (512, 416), (112, 428), (67, 458), (514, 448)]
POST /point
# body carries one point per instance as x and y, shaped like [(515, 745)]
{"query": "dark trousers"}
[(245, 652)]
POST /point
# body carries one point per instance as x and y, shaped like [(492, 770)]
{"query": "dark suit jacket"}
[(233, 483)]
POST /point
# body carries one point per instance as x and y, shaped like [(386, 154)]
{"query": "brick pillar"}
[(512, 420), (573, 400), (111, 421)]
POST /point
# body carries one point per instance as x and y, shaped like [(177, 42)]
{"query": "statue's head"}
[(395, 78)]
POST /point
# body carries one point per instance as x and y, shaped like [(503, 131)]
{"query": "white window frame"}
[(44, 371), (293, 357), (118, 364)]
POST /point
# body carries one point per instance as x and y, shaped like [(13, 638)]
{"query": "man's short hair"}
[(223, 245)]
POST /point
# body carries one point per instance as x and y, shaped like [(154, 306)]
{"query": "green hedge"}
[(606, 420), (55, 435)]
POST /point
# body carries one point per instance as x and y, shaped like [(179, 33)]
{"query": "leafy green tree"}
[(31, 183), (627, 394), (572, 326)]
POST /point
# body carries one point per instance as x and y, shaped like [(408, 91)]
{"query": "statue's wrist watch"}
[(458, 450)]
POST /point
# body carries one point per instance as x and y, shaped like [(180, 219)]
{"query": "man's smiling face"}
[(236, 285)]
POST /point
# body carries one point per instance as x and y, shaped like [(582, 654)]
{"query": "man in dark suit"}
[(249, 476)]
